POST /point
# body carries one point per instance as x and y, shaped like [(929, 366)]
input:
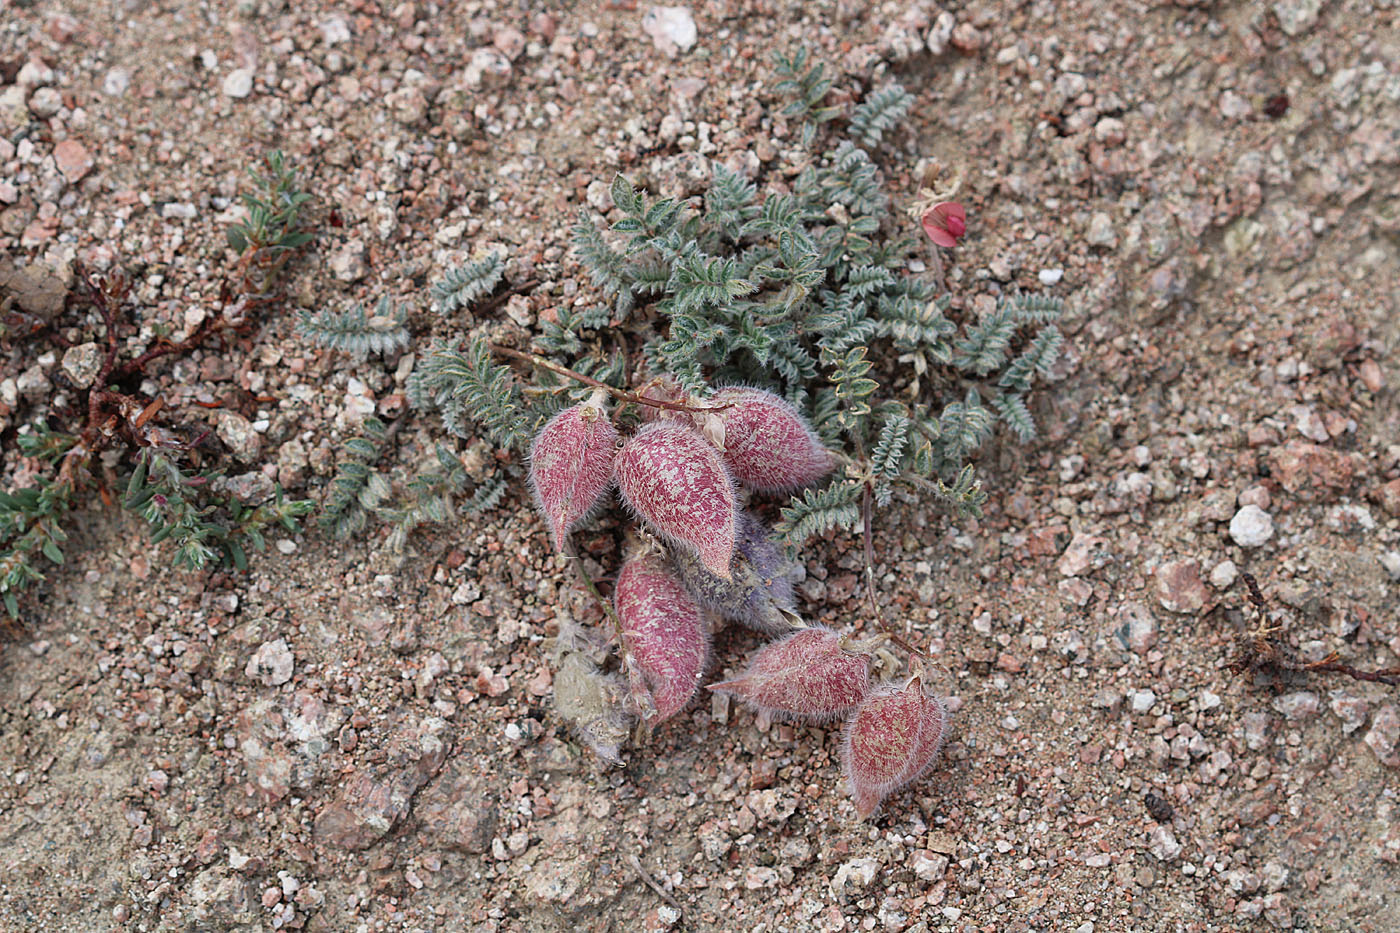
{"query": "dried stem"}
[(620, 394)]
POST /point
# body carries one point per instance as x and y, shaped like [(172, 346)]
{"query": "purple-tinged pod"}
[(758, 593)]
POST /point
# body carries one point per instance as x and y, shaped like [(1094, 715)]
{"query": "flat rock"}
[(374, 800), (72, 159), (1179, 587), (456, 809)]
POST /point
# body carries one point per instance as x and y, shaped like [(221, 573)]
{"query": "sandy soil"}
[(1212, 187)]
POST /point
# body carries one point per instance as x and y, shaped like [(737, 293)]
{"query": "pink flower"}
[(945, 223)]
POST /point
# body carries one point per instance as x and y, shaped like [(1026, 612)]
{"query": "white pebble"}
[(1223, 574), (671, 28), (1050, 276), (1251, 526), (1143, 700), (238, 83)]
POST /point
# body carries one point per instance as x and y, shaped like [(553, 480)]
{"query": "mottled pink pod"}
[(767, 444), (890, 741), (571, 465), (758, 593), (678, 485), (808, 675), (665, 635)]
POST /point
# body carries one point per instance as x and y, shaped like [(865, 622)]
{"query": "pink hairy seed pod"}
[(678, 485), (890, 741), (809, 675), (571, 465), (767, 444), (664, 633)]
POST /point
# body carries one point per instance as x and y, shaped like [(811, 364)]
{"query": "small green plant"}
[(274, 205), (771, 336), (167, 487), (354, 331)]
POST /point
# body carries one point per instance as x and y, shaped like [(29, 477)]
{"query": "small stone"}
[(238, 83), (487, 68), (348, 262), (72, 159), (1310, 424), (1251, 526), (82, 363), (509, 41), (335, 30), (1101, 232), (928, 866), (1256, 730), (1142, 627), (1080, 555), (858, 874), (1223, 574), (1390, 560), (1389, 497), (1350, 709), (1311, 471), (408, 105), (1143, 700), (672, 29), (238, 435), (116, 81), (33, 384), (374, 800), (45, 102), (272, 663), (1299, 705), (1179, 587), (1384, 735), (1162, 843), (1050, 276), (457, 810), (941, 32), (1296, 17)]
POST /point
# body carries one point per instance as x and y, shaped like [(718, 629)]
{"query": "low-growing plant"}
[(170, 484), (756, 342)]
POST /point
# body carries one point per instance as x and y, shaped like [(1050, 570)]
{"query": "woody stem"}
[(620, 394)]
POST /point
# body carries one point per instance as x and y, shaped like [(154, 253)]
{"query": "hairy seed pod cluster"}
[(890, 741), (758, 593), (665, 633), (678, 485), (571, 466), (808, 675), (767, 444)]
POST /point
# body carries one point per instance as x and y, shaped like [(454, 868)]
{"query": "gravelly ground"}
[(1217, 184)]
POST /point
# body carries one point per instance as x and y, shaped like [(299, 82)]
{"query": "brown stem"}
[(1389, 676), (620, 394)]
